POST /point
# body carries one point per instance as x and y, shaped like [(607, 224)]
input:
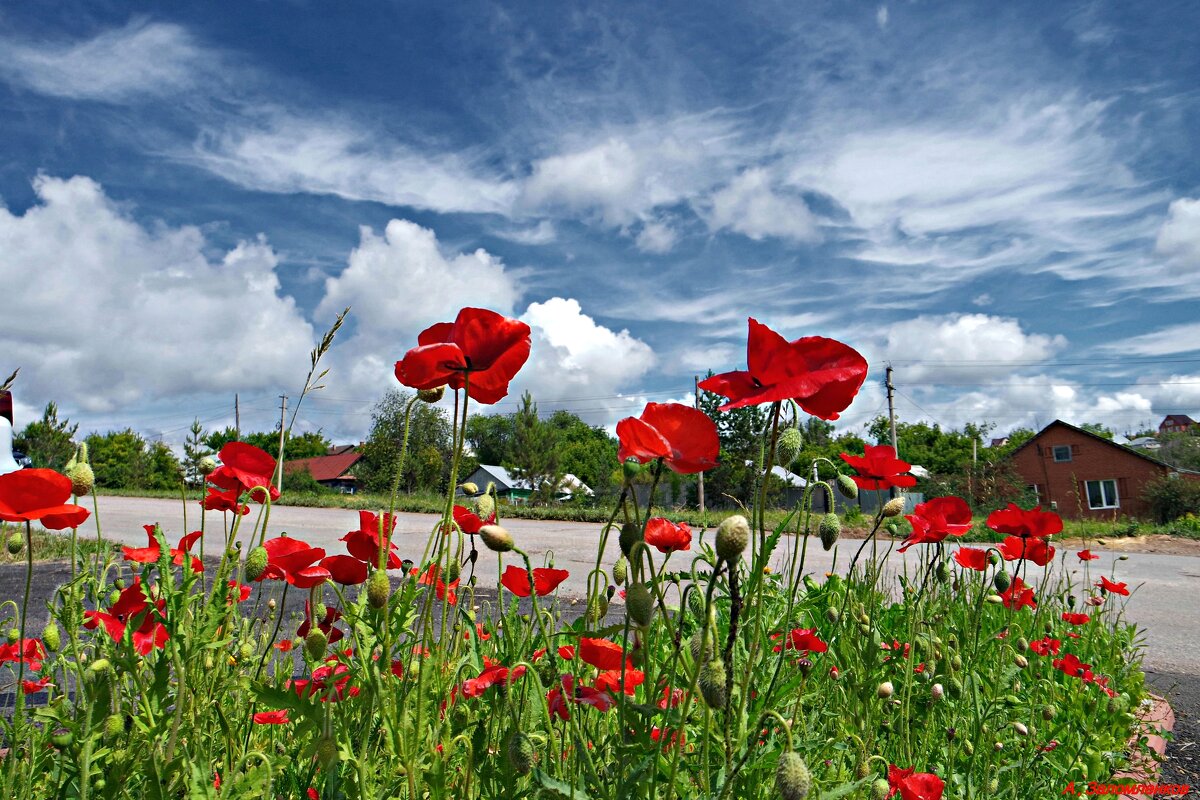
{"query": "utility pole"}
[(282, 420), (699, 475), (237, 418), (891, 415)]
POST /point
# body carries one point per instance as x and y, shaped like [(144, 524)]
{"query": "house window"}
[(1036, 491), (1102, 494), (1062, 452)]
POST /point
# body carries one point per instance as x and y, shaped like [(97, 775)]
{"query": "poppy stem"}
[(19, 715)]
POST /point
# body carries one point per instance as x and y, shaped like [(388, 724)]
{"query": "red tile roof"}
[(325, 468)]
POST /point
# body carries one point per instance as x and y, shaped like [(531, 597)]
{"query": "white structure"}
[(7, 462)]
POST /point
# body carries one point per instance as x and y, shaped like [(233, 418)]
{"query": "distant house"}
[(999, 442), (334, 469), (1176, 423), (517, 490), (1085, 476), (1145, 443)]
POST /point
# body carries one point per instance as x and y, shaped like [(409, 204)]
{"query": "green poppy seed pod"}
[(207, 465), (469, 487), (378, 589), (885, 690), (733, 536), (639, 603), (1071, 600), (315, 643), (631, 534), (51, 636), (256, 563), (847, 486), (431, 396), (82, 479), (967, 747), (829, 529), (485, 505), (521, 753), (16, 543), (13, 635), (630, 468), (712, 683), (993, 557), (100, 667), (62, 738), (1049, 713), (942, 572), (880, 789), (788, 446), (894, 507), (246, 651), (792, 779), (993, 787), (114, 725), (327, 751), (833, 615), (496, 538), (453, 571), (620, 571), (702, 652), (1001, 580)]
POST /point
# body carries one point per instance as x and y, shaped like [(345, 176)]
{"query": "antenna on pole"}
[(699, 475), (282, 433)]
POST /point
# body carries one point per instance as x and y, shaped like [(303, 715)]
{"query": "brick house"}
[(1085, 476), (1176, 423)]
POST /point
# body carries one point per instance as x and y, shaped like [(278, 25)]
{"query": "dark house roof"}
[(1177, 419), (325, 468), (1122, 448)]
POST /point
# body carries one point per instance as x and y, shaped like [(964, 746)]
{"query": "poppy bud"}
[(13, 635), (805, 666), (894, 507), (485, 506), (712, 683), (1020, 728), (256, 563), (271, 604), (942, 571), (50, 636), (993, 558), (521, 754), (847, 486), (378, 589), (597, 609), (621, 571), (862, 770), (1021, 661), (16, 543), (207, 465), (640, 604), (788, 446), (246, 651), (630, 468), (998, 746), (62, 738), (1049, 713), (829, 529), (315, 643), (880, 789), (792, 778), (994, 599), (327, 751), (885, 690), (114, 725), (100, 667), (496, 538), (968, 747), (833, 615), (702, 654), (733, 535), (431, 396), (937, 692), (1071, 600), (956, 663), (1001, 580), (1022, 644), (631, 534), (454, 570), (993, 787)]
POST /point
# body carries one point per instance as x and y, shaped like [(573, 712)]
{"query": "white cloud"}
[(121, 313), (1183, 338), (1179, 236), (881, 17), (120, 64), (656, 237), (982, 300), (947, 345), (750, 205)]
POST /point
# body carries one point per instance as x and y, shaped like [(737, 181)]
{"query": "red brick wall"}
[(1064, 482)]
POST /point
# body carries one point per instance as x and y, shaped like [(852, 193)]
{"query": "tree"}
[(124, 460), (194, 451), (427, 466), (535, 456), (1180, 450), (490, 437), (585, 451), (741, 432), (48, 441), (1097, 428), (940, 452)]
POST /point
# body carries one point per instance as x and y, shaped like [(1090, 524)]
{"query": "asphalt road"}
[(1164, 603)]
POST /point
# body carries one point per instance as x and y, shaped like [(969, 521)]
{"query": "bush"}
[(1170, 498)]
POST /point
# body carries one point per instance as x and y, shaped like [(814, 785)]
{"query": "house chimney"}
[(7, 463)]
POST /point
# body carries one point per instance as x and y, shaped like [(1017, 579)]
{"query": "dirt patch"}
[(1159, 543)]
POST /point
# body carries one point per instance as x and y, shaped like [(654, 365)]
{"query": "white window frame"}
[(1037, 494), (1054, 453), (1116, 495)]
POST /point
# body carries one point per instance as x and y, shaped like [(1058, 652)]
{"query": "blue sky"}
[(1002, 202)]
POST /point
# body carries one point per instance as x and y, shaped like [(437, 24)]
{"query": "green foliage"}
[(307, 445), (1170, 498), (47, 441), (1097, 428), (124, 460), (427, 466), (301, 481), (535, 455), (1180, 450), (936, 450), (194, 451)]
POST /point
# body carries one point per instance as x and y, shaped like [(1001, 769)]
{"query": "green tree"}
[(585, 451), (124, 460), (194, 451), (490, 437), (535, 457), (939, 451), (1097, 428), (741, 433), (428, 464), (1180, 450), (47, 441)]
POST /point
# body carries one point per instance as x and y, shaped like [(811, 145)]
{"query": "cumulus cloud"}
[(963, 345), (750, 205), (1179, 236), (116, 65), (656, 237), (121, 313)]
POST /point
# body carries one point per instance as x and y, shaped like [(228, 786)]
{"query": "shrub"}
[(1170, 498)]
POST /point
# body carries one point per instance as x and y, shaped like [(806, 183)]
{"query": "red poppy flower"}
[(602, 654), (33, 687), (444, 591), (971, 558), (1087, 555), (913, 785), (567, 652), (684, 437), (487, 346), (492, 675), (132, 605), (325, 624), (545, 580), (1046, 646), (610, 680), (1018, 595), (30, 651), (1070, 664), (1116, 588), (239, 592), (878, 468), (804, 639), (934, 520), (217, 500), (30, 495), (294, 561), (1016, 521), (822, 375), (247, 466), (149, 554), (1095, 600), (1076, 619), (570, 691), (668, 536), (71, 519), (272, 717), (470, 522), (1014, 548)]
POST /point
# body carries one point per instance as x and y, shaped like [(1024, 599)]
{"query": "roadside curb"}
[(1154, 721)]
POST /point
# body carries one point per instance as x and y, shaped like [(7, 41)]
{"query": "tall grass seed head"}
[(733, 536), (256, 563), (894, 507), (788, 446), (431, 396), (378, 589), (847, 486), (620, 571), (631, 534), (496, 538), (792, 778), (640, 604), (829, 529), (16, 543), (712, 683)]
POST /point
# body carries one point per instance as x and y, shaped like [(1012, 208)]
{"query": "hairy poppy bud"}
[(51, 636), (1071, 600), (994, 599), (880, 789), (62, 738), (1020, 728), (885, 690), (13, 635), (788, 446), (1022, 644), (630, 468), (829, 529), (733, 535), (1049, 713), (833, 615), (597, 609), (431, 396), (315, 643), (485, 505), (942, 572), (521, 754), (82, 478), (792, 779), (469, 488), (847, 486), (993, 557), (712, 683), (327, 751), (631, 534), (496, 538), (640, 604), (208, 465), (1001, 580), (114, 725), (454, 570), (100, 667), (620, 571), (936, 692), (701, 653), (894, 507), (16, 543), (256, 563), (378, 589), (271, 604)]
